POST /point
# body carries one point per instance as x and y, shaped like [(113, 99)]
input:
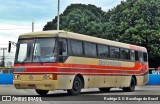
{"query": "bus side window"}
[(76, 47), (125, 53), (132, 55), (103, 51), (145, 57), (114, 52), (62, 49), (90, 49), (140, 56), (136, 56)]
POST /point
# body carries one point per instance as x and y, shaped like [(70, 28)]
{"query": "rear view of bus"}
[(60, 60)]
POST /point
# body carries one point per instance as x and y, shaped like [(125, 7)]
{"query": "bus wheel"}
[(42, 92), (131, 88), (76, 88), (104, 89)]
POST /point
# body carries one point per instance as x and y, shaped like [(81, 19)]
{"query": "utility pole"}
[(3, 57), (32, 26), (58, 16)]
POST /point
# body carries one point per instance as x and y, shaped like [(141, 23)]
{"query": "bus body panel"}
[(96, 72), (94, 75)]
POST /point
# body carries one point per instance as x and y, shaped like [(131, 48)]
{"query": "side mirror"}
[(9, 47)]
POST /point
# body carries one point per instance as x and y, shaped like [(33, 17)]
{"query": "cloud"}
[(11, 32), (27, 9), (16, 16), (15, 30)]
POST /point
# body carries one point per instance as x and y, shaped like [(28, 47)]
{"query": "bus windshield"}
[(36, 50)]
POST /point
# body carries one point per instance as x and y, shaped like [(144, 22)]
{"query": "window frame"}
[(67, 50), (132, 54)]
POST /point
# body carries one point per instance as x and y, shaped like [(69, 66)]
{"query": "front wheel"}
[(131, 88), (76, 88), (42, 92)]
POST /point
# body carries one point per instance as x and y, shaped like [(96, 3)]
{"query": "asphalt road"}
[(91, 96)]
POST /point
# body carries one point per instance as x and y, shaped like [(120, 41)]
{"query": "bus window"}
[(145, 57), (125, 53), (44, 52), (90, 49), (132, 55), (24, 52), (103, 51), (140, 56), (114, 52), (76, 47), (62, 49), (136, 56)]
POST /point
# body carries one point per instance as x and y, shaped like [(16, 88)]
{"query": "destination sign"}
[(109, 63)]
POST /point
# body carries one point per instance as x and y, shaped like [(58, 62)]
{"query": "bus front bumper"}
[(42, 85)]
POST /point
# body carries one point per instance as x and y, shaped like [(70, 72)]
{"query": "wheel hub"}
[(76, 85)]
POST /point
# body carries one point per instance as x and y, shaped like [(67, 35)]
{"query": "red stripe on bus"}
[(138, 68)]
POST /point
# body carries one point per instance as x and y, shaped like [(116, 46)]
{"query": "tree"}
[(80, 18), (133, 21)]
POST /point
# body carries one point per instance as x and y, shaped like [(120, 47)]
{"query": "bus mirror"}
[(9, 47), (62, 47)]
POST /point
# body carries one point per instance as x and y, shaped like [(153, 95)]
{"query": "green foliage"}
[(133, 21), (85, 19)]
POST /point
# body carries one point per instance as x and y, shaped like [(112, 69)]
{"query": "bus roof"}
[(71, 35)]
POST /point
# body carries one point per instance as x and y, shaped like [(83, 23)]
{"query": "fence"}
[(6, 76), (154, 76)]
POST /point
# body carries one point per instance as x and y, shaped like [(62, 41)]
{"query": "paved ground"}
[(60, 97)]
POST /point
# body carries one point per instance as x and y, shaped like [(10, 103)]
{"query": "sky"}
[(16, 17)]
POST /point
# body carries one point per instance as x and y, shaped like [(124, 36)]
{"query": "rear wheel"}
[(77, 86), (42, 92), (104, 89), (131, 88)]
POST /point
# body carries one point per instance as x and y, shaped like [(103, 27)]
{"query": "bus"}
[(61, 60)]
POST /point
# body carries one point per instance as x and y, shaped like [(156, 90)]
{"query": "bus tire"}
[(104, 89), (76, 87), (41, 92), (131, 88)]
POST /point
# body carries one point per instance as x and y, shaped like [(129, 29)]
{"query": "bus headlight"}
[(45, 76), (50, 77), (17, 77)]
